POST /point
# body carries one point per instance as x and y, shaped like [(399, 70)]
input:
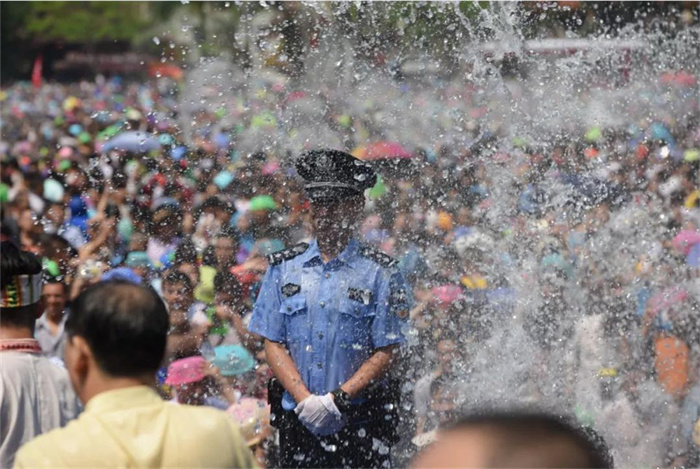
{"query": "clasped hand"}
[(320, 415)]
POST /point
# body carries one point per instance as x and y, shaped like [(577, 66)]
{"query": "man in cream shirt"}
[(116, 342)]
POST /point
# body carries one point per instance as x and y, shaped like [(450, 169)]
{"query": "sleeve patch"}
[(398, 303)]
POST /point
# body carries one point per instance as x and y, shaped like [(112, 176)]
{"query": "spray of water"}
[(497, 98)]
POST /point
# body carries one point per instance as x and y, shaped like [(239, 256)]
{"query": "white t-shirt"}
[(35, 396)]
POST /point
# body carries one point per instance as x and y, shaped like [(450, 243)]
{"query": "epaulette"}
[(286, 254), (378, 256)]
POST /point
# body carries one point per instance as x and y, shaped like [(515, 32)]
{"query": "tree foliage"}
[(82, 22)]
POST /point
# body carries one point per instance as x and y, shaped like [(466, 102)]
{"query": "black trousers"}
[(358, 445)]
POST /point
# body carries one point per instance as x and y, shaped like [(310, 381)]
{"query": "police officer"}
[(333, 314)]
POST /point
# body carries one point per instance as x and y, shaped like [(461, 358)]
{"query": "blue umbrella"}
[(694, 256), (660, 132), (134, 141)]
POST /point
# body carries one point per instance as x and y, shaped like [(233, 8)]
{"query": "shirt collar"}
[(348, 256), (20, 345), (43, 321), (123, 399), (313, 255)]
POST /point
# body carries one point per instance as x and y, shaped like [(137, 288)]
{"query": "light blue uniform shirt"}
[(331, 317)]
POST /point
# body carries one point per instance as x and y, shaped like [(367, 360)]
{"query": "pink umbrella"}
[(685, 240), (679, 78), (24, 146), (667, 298), (381, 151), (445, 295)]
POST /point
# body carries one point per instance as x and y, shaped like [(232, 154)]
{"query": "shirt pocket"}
[(295, 315), (355, 328)]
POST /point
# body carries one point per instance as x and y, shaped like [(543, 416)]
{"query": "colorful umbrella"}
[(679, 78), (379, 188), (445, 295), (685, 240), (262, 202), (253, 418), (663, 300), (381, 151), (693, 258), (132, 141)]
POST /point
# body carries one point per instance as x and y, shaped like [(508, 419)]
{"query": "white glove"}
[(320, 415)]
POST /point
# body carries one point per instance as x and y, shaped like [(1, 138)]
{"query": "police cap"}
[(332, 174)]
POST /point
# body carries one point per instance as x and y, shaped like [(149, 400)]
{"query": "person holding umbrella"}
[(333, 314)]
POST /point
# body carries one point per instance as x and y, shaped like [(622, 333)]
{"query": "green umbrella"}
[(51, 267), (110, 131), (265, 119), (519, 142), (262, 202), (691, 154), (594, 134), (344, 120), (379, 188), (84, 137)]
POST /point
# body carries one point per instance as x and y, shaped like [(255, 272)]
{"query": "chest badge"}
[(402, 313), (290, 289), (362, 296)]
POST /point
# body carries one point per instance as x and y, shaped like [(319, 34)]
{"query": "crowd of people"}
[(564, 273)]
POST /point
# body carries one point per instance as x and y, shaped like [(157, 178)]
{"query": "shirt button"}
[(289, 308), (320, 365), (320, 336), (323, 304), (328, 275)]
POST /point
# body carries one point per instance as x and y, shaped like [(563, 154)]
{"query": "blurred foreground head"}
[(116, 333), (515, 439)]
